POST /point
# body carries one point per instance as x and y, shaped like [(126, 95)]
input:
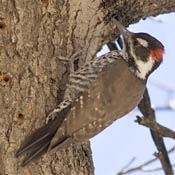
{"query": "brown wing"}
[(115, 93)]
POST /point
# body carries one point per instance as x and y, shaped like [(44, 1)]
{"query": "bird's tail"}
[(38, 143)]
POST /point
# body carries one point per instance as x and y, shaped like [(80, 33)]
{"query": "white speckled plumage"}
[(100, 92)]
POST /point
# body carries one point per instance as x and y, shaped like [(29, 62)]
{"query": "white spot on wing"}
[(90, 125), (81, 101), (89, 94), (98, 96)]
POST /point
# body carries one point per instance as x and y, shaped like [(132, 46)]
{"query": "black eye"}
[(136, 43)]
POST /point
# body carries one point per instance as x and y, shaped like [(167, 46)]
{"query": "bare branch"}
[(141, 167), (161, 130), (149, 114)]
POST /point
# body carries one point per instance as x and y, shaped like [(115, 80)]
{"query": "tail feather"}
[(38, 143), (33, 141), (35, 154)]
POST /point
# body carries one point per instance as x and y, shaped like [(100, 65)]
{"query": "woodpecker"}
[(100, 92)]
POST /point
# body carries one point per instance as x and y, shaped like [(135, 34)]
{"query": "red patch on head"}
[(157, 54)]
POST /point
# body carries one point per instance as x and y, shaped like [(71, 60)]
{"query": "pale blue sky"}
[(118, 144)]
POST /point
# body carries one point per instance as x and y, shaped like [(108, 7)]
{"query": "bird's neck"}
[(140, 68), (144, 68)]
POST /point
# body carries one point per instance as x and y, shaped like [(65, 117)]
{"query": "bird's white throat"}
[(143, 68)]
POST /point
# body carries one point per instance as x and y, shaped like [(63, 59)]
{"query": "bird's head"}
[(143, 52)]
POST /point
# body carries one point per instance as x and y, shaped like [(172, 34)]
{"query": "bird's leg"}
[(71, 62)]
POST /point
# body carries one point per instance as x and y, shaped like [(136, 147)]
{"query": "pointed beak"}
[(126, 34)]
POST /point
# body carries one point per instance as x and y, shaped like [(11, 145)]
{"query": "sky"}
[(114, 147)]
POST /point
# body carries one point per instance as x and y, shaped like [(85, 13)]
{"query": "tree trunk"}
[(32, 79)]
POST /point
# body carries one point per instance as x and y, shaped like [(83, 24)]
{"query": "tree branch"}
[(149, 114), (141, 167)]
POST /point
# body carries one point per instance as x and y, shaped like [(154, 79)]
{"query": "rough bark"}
[(32, 79)]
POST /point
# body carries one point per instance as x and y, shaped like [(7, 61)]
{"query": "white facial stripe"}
[(143, 42), (144, 67)]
